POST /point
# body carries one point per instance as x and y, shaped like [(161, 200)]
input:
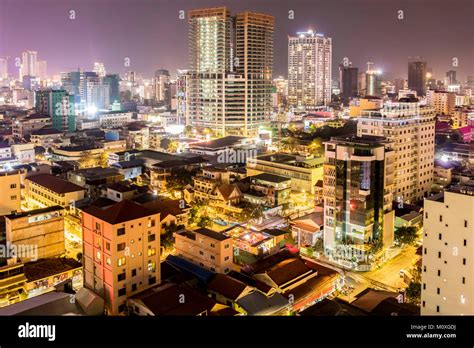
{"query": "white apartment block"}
[(448, 253), (309, 70), (115, 119), (411, 129)]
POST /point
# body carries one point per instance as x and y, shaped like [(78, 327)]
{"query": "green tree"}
[(406, 235), (167, 238), (316, 147), (179, 180), (204, 221), (103, 160), (319, 245), (413, 293), (251, 211)]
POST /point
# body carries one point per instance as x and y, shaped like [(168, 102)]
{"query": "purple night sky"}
[(151, 34)]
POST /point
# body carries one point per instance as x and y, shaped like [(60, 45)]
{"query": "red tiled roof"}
[(287, 270), (120, 212), (227, 286)]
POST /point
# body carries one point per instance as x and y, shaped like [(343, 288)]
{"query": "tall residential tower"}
[(230, 77), (309, 70)]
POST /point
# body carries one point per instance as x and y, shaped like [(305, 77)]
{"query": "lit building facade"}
[(229, 84), (358, 215), (208, 249), (410, 128), (45, 190), (10, 186), (373, 81), (309, 70), (59, 105), (41, 231), (443, 102), (29, 61), (121, 252)]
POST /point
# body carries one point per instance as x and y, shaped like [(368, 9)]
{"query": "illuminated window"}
[(98, 255), (151, 252), (121, 261), (108, 261), (151, 266)]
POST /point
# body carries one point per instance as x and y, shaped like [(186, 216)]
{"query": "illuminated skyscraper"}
[(348, 82), (181, 97), (99, 69), (59, 105), (373, 81), (161, 86), (358, 215), (29, 63), (309, 70), (230, 78), (3, 68), (417, 76)]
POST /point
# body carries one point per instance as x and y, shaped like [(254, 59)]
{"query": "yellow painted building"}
[(10, 187), (206, 248), (37, 234), (45, 190)]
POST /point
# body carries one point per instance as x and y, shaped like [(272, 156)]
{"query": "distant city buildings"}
[(161, 87), (60, 106), (29, 61), (417, 75), (309, 70), (99, 69), (214, 182), (91, 91), (348, 82), (3, 68), (442, 101), (373, 81)]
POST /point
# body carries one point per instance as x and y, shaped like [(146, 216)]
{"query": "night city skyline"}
[(307, 159), (141, 31)]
